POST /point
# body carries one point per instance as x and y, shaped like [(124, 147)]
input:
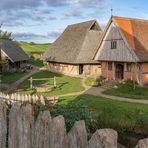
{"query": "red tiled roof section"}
[(126, 27), (136, 33)]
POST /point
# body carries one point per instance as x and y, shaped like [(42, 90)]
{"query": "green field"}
[(65, 84), (9, 78), (34, 48), (36, 62), (122, 116), (127, 90), (129, 119)]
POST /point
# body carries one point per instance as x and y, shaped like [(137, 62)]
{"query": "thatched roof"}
[(136, 33), (77, 44), (14, 52)]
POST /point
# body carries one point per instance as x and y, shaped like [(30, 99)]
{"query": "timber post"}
[(31, 83), (55, 83)]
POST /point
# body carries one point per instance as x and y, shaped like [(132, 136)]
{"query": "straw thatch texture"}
[(77, 44)]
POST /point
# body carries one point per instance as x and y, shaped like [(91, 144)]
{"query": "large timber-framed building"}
[(123, 50), (73, 52)]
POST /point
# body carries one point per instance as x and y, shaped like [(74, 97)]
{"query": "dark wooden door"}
[(80, 69), (119, 71)]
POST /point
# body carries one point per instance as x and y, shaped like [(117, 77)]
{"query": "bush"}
[(75, 112), (89, 81), (100, 79), (5, 65), (38, 108)]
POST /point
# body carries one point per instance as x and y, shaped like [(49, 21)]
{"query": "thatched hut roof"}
[(77, 44), (14, 52)]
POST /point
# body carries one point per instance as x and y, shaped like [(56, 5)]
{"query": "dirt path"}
[(97, 91), (19, 81)]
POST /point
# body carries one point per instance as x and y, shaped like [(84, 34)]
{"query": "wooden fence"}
[(32, 99), (19, 129)]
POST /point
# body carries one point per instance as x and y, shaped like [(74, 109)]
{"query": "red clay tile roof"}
[(136, 33)]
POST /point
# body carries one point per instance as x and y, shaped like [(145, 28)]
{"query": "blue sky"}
[(44, 20)]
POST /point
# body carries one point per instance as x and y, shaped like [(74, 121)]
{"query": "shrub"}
[(40, 108), (101, 78), (5, 65), (89, 81), (75, 112)]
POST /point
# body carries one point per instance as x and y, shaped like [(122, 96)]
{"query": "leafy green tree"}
[(5, 34), (4, 64)]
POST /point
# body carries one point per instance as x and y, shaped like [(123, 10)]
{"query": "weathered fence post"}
[(103, 138), (77, 137), (142, 143), (20, 126), (42, 101), (46, 132), (58, 137), (41, 132), (3, 124), (55, 83), (31, 83)]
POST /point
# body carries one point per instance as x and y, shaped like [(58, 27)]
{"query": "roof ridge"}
[(82, 22), (129, 18)]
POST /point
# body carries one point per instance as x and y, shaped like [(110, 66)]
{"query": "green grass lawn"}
[(118, 115), (9, 78), (36, 62), (65, 84), (37, 48), (89, 81), (127, 90)]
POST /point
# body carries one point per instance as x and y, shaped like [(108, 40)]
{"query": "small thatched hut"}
[(72, 53), (13, 53)]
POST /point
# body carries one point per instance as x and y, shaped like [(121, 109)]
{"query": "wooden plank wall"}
[(46, 132), (121, 53)]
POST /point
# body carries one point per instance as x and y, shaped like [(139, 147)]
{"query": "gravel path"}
[(19, 81), (97, 91)]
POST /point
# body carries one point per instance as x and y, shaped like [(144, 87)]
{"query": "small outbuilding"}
[(73, 52), (14, 54)]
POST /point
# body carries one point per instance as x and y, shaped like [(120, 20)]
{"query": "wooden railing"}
[(32, 99)]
